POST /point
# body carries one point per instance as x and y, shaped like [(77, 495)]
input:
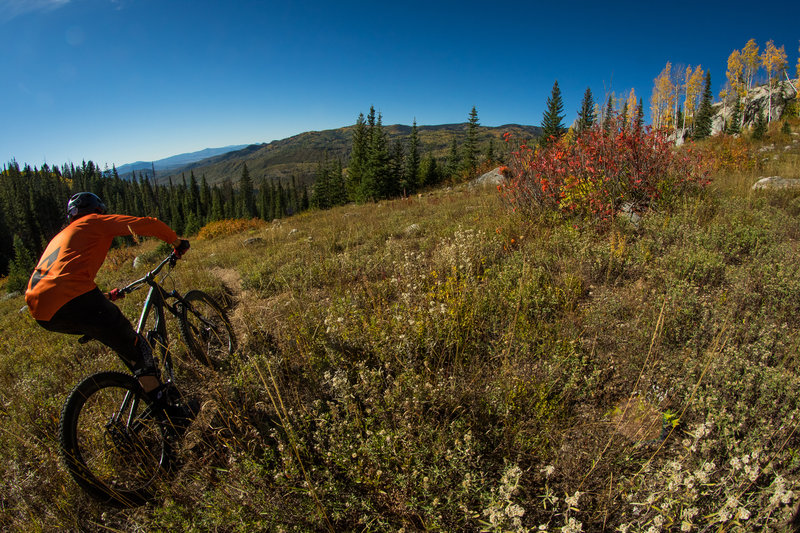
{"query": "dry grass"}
[(438, 363)]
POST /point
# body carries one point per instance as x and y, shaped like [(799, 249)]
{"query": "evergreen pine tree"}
[(639, 120), (625, 116), (193, 196), (734, 126), (217, 211), (20, 267), (608, 114), (280, 201), (490, 151), (469, 152), (702, 127), (760, 126), (586, 116), (264, 200), (552, 119), (358, 158), (375, 183), (429, 174), (247, 204), (396, 176), (453, 160), (411, 178), (205, 198)]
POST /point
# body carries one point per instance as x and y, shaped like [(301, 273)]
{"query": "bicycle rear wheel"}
[(112, 444), (206, 329)]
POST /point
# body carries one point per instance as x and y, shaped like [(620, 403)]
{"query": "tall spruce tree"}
[(375, 184), (358, 158), (396, 174), (247, 203), (735, 123), (608, 114), (702, 126), (760, 126), (553, 117), (265, 200), (429, 173), (639, 120), (411, 177), (586, 116), (469, 152), (20, 267), (625, 116), (453, 160), (205, 198)]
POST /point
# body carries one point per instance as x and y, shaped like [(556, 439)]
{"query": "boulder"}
[(493, 177), (776, 183)]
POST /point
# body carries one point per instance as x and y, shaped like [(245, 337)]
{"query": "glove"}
[(182, 248), (115, 295)]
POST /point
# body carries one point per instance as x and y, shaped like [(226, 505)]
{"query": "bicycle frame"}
[(156, 301)]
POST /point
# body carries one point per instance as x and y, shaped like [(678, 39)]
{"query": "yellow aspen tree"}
[(751, 61), (774, 61), (633, 102), (694, 86), (735, 73), (661, 99), (678, 87)]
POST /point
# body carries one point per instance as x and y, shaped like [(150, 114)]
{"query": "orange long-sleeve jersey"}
[(70, 262)]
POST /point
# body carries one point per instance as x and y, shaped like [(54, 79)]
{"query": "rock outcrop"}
[(757, 100)]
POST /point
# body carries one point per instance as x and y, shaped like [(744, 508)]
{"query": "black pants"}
[(94, 315)]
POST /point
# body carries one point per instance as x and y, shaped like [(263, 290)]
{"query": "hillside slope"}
[(440, 363), (299, 155)]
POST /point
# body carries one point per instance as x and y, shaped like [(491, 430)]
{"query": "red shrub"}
[(599, 171)]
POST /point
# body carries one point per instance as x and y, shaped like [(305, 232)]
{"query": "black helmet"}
[(84, 203)]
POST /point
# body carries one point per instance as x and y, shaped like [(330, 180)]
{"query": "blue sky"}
[(117, 81)]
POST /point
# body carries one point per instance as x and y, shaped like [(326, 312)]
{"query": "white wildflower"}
[(572, 501), (514, 510), (573, 526)]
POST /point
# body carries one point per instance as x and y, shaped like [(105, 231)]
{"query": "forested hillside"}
[(298, 156), (315, 169)]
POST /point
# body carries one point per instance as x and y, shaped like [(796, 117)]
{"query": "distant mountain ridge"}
[(176, 161), (298, 156)]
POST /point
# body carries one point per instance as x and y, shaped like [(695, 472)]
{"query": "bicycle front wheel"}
[(113, 445), (206, 329)]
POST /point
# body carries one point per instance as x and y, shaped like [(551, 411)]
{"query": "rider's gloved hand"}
[(182, 248), (115, 294)]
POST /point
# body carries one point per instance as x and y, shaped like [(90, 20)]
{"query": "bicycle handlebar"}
[(148, 278)]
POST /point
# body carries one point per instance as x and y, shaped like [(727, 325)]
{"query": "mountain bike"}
[(114, 442)]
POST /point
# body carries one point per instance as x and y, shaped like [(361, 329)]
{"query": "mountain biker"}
[(63, 297)]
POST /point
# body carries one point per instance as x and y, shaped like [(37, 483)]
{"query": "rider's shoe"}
[(171, 408), (178, 417)]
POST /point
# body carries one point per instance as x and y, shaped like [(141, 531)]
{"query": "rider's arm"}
[(120, 225)]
